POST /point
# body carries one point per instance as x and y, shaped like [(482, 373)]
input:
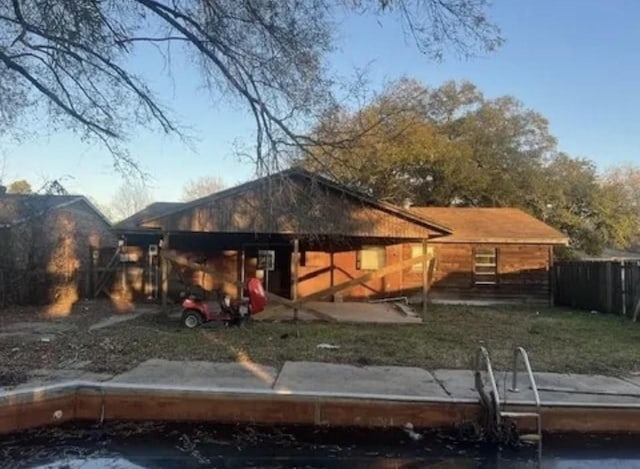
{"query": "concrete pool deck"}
[(338, 379), (310, 393)]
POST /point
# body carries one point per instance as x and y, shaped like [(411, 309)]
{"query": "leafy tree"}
[(73, 59), (452, 146), (625, 180), (19, 187), (201, 187), (444, 146)]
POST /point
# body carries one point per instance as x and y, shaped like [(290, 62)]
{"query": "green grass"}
[(556, 339)]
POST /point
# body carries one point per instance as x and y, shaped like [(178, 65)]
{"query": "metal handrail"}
[(483, 355), (521, 352)]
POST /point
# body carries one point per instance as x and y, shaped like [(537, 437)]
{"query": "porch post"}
[(165, 272), (240, 271), (333, 268), (425, 277), (295, 262)]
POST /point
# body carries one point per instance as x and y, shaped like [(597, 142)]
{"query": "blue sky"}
[(577, 62)]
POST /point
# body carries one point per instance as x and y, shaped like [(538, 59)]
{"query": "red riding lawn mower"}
[(230, 312)]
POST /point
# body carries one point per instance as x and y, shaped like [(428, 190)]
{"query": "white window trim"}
[(478, 276)]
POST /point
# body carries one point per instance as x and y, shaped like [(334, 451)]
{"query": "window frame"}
[(417, 268), (485, 279), (373, 247)]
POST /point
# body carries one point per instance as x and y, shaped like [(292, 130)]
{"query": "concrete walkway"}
[(345, 312), (321, 378)]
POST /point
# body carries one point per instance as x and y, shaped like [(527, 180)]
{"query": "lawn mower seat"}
[(257, 295)]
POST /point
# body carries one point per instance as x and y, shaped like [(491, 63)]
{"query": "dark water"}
[(154, 445)]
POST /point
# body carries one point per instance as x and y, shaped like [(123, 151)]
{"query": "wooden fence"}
[(604, 286)]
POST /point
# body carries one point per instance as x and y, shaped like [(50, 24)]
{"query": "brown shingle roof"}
[(295, 201), (18, 208), (156, 209), (491, 225)]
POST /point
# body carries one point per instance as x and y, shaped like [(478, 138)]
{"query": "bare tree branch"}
[(270, 56)]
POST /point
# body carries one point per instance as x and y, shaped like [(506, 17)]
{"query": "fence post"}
[(2, 290), (608, 279)]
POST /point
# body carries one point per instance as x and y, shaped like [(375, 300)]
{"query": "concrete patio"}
[(344, 312)]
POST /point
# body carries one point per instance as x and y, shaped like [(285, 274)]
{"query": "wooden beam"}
[(103, 279), (240, 272), (636, 311), (164, 272), (362, 279), (295, 263), (425, 278), (331, 272)]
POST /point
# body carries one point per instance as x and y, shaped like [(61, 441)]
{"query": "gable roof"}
[(269, 205), (19, 208), (492, 225), (151, 211)]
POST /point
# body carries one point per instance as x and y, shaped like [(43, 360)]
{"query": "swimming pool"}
[(134, 445)]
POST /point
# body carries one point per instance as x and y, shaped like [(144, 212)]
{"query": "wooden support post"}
[(295, 263), (165, 273), (425, 277), (332, 271), (240, 270)]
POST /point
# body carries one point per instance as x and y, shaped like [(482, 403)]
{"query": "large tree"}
[(452, 146), (75, 59), (443, 146)]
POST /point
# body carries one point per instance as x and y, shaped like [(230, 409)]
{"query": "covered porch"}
[(299, 272)]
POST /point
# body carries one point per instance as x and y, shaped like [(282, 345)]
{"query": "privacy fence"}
[(604, 286)]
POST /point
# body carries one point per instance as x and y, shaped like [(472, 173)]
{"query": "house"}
[(306, 235), (492, 254), (47, 246)]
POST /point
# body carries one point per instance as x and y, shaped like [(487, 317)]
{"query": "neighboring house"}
[(479, 254), (46, 247)]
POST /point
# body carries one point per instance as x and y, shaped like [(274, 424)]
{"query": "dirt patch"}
[(31, 339)]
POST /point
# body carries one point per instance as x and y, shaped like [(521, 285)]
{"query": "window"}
[(416, 251), (371, 258), (485, 266)]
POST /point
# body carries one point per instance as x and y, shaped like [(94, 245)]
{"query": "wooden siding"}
[(292, 208), (522, 272)]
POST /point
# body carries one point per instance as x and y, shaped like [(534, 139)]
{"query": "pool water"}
[(137, 445)]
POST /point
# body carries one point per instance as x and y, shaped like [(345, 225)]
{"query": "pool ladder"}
[(482, 356)]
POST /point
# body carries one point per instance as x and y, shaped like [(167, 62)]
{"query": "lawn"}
[(557, 340)]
